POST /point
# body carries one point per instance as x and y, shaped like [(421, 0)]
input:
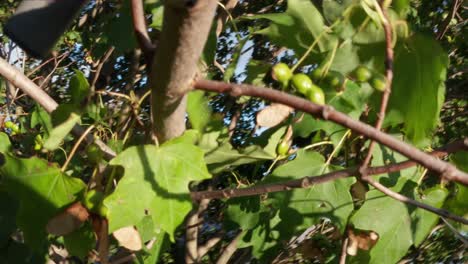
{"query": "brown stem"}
[(445, 25), (325, 112), (312, 180), (344, 254), (404, 199), (388, 83), (205, 248), (99, 69), (19, 80), (191, 237), (229, 250), (139, 26)]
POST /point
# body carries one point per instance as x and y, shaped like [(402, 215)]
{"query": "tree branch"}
[(229, 250), (388, 82), (404, 199), (445, 25), (325, 112), (185, 31), (139, 26), (19, 80), (312, 180)]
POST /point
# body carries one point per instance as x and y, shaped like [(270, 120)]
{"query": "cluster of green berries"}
[(376, 80), (13, 127), (300, 82), (38, 142)]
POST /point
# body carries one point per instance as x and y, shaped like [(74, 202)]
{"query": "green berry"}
[(362, 74), (378, 82), (281, 72), (282, 148), (335, 80), (37, 146), (316, 74), (302, 83), (94, 153), (9, 124), (15, 128), (316, 95)]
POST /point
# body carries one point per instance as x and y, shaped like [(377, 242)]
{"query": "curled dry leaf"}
[(68, 221), (360, 240), (273, 114), (129, 238)]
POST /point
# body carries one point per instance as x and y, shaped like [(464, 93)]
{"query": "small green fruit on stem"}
[(302, 83), (282, 148), (316, 95), (362, 74), (378, 82)]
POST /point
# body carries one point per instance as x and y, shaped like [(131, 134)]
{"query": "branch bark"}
[(19, 80), (139, 26), (404, 199), (185, 31), (445, 169), (312, 180), (388, 82)]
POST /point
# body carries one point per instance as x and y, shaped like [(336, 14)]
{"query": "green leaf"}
[(418, 88), (81, 241), (332, 9), (5, 144), (146, 228), (155, 179), (40, 117), (79, 88), (60, 132), (331, 199), (297, 28), (225, 157), (423, 220), (391, 221), (244, 212), (460, 159), (457, 204), (151, 256), (264, 238), (222, 156), (42, 190), (198, 110), (397, 224)]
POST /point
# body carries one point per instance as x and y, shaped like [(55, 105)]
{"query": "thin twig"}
[(229, 250), (388, 82), (99, 68), (191, 236), (404, 199), (312, 180), (446, 23), (205, 248), (344, 248), (18, 79), (139, 26), (75, 147), (456, 232), (445, 169)]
